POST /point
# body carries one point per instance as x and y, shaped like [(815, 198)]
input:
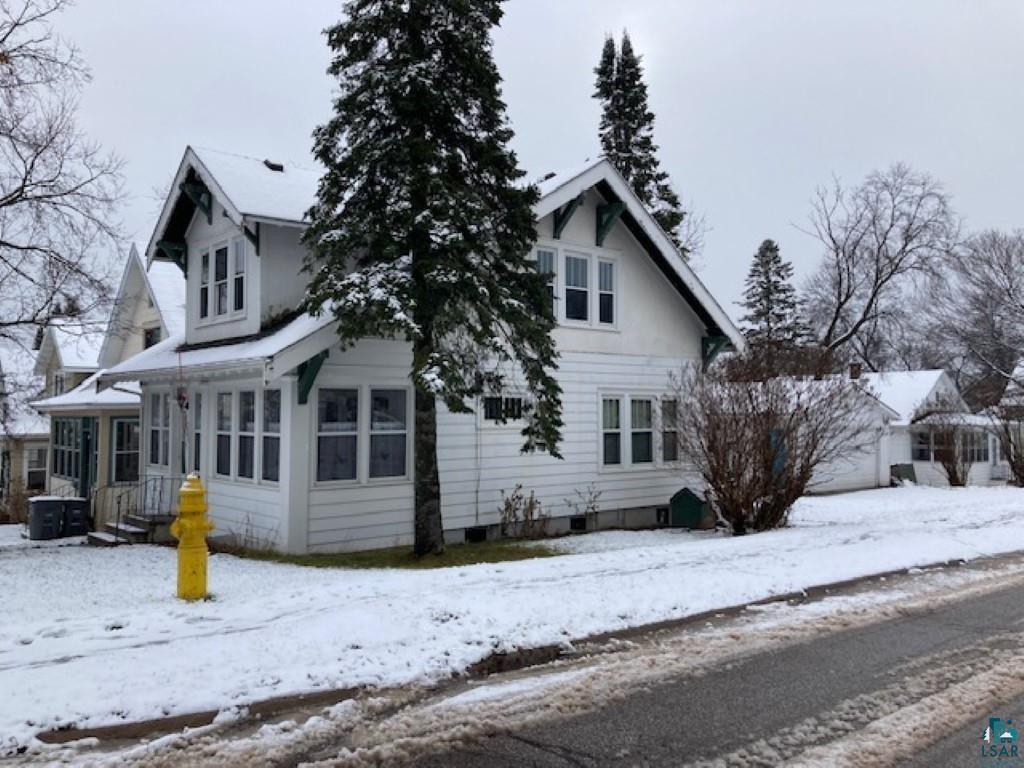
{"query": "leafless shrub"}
[(1008, 425), (522, 516), (14, 505), (756, 440), (949, 435), (586, 503)]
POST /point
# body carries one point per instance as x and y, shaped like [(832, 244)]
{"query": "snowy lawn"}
[(94, 636)]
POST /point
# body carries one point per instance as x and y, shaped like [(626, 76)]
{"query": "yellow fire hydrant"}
[(190, 529)]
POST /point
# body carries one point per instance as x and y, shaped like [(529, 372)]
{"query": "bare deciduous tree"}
[(879, 237), (58, 190), (757, 442)]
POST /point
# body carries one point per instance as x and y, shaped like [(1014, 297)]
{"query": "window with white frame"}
[(337, 434), (35, 469), (921, 446), (669, 430), (641, 425), (225, 406), (67, 447), (611, 431), (204, 285), (220, 280), (546, 266), (502, 410), (197, 431), (246, 434), (159, 429), (271, 453), (238, 283), (388, 432), (577, 290), (124, 465), (975, 446), (606, 292)]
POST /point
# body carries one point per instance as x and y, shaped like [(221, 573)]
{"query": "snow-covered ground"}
[(94, 636)]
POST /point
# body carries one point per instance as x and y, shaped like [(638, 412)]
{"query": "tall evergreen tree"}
[(773, 312), (627, 132), (422, 230)]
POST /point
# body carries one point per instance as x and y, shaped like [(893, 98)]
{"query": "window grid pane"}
[(388, 431), (337, 440)]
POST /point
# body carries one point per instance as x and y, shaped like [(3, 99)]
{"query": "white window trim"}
[(230, 432), (237, 433), (594, 255), (262, 432), (362, 477), (162, 427), (210, 247), (113, 447), (626, 430)]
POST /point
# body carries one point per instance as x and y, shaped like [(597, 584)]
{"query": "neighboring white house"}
[(307, 448), (24, 434), (95, 429), (911, 442)]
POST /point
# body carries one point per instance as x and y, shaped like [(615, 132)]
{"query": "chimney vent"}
[(278, 167)]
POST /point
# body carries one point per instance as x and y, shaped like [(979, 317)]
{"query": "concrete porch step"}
[(143, 521), (104, 539), (132, 533)]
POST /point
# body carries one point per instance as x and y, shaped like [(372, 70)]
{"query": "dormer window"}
[(222, 283), (58, 383)]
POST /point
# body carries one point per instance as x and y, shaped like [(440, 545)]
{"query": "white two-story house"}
[(306, 448)]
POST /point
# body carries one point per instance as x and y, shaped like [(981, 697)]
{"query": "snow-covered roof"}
[(74, 343), (87, 396), (561, 188), (906, 391), (169, 290), (18, 385), (266, 351), (960, 419)]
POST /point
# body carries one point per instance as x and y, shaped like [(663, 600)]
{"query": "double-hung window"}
[(204, 285), (611, 431), (125, 461), (577, 291), (159, 429), (921, 446), (641, 425), (337, 434), (197, 431), (271, 435), (388, 432), (247, 434), (546, 266), (225, 405), (220, 279), (66, 447), (606, 292), (976, 446), (669, 430), (238, 287), (35, 469)]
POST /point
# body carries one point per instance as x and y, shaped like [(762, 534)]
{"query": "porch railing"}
[(152, 497)]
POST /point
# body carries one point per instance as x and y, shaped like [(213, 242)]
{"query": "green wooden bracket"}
[(563, 214), (307, 375), (607, 215), (199, 195), (253, 236), (710, 346), (176, 252)]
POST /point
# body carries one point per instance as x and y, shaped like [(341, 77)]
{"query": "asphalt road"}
[(771, 707)]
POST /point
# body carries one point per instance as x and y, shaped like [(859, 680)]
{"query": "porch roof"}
[(87, 396), (273, 354)]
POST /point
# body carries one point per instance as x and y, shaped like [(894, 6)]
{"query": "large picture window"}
[(337, 434), (159, 429), (271, 435), (225, 404), (388, 432), (125, 450)]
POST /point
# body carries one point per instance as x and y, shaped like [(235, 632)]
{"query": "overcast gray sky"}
[(756, 102)]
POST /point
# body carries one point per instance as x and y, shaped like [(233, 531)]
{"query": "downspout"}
[(476, 436)]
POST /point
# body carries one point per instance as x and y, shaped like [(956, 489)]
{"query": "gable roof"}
[(559, 189), (250, 190), (907, 391), (75, 347), (163, 283)]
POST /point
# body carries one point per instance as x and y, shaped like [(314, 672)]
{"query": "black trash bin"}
[(45, 517), (76, 517)]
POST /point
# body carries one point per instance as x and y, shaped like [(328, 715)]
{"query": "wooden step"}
[(104, 539), (143, 521), (132, 533)]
